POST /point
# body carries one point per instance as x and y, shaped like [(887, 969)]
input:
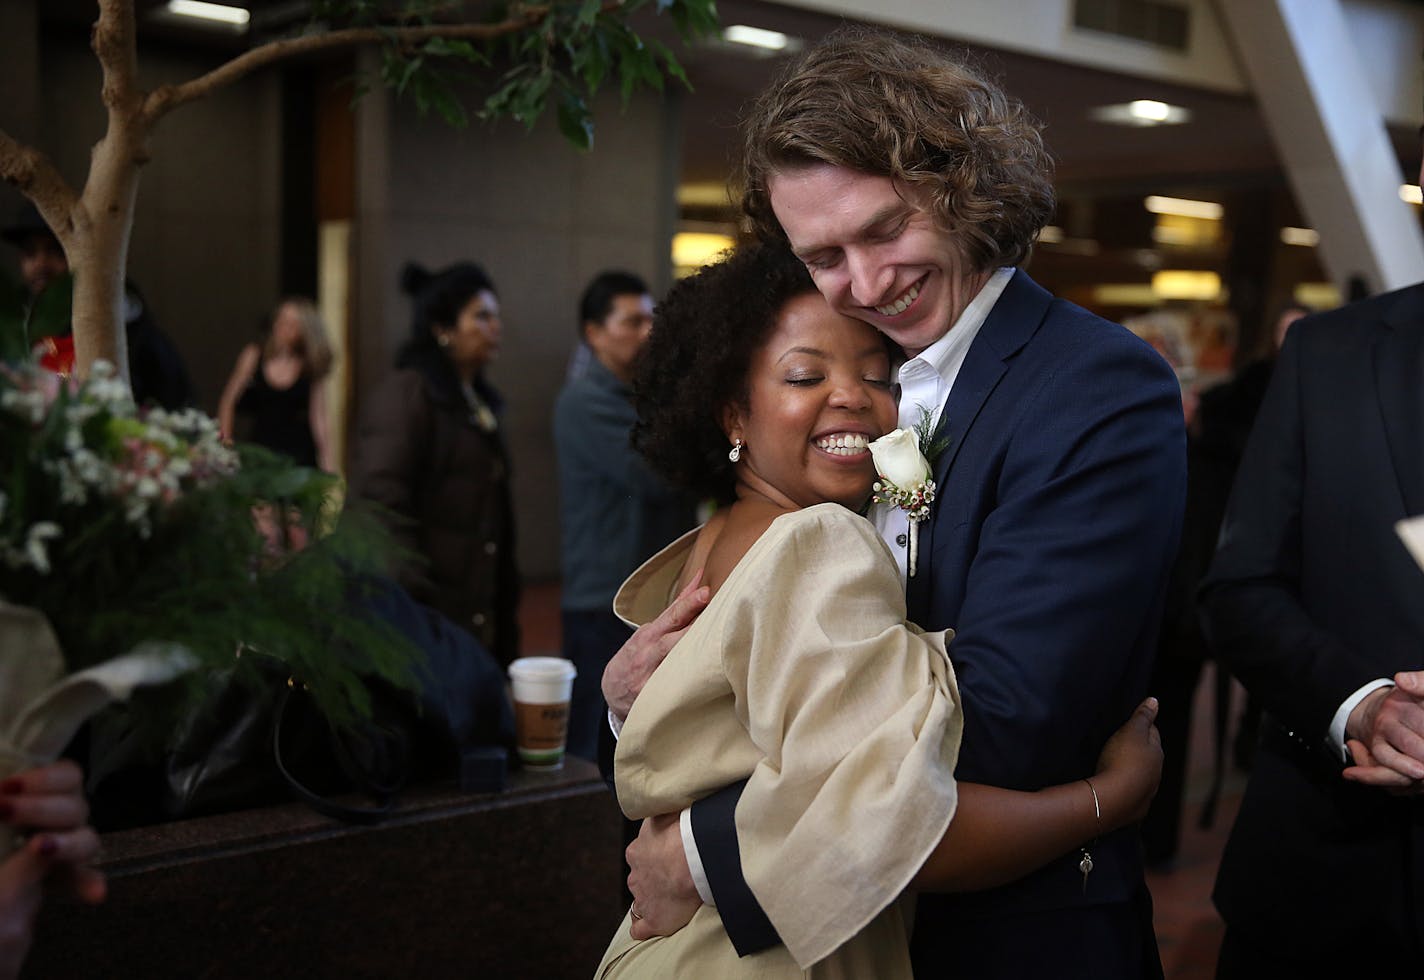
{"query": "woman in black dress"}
[(279, 383)]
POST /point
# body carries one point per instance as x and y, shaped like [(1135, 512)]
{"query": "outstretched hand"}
[(1130, 767), (664, 897), (48, 804), (636, 660)]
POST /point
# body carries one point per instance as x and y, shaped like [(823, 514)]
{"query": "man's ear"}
[(589, 326)]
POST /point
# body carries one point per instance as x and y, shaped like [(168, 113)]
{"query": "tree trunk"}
[(99, 252)]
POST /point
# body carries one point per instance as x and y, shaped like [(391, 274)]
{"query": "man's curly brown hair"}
[(696, 360), (881, 104)]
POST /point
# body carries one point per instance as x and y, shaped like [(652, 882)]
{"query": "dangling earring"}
[(735, 453)]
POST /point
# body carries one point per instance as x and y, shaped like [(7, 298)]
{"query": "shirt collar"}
[(945, 355), (603, 378)]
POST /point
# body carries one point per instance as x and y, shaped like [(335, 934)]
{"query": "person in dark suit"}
[(1316, 606), (1060, 487)]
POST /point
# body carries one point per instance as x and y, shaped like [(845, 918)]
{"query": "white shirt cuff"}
[(616, 724), (694, 860), (1342, 715)]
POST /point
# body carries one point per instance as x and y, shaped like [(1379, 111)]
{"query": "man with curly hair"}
[(912, 187)]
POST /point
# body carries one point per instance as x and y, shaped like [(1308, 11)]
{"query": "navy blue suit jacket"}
[(1048, 549)]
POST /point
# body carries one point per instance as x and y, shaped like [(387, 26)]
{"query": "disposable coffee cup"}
[(542, 687)]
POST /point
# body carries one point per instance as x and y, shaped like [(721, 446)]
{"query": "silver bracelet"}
[(1086, 864)]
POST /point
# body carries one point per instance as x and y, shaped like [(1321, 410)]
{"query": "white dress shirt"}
[(925, 383)]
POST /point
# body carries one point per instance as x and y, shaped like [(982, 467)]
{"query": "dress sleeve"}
[(858, 721)]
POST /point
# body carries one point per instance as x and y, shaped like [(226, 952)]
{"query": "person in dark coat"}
[(1316, 605), (430, 449)]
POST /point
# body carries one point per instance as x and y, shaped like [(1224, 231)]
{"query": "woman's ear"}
[(732, 423)]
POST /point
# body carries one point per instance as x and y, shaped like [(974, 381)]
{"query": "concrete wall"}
[(543, 219)]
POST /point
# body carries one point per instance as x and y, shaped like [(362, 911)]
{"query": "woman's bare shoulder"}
[(742, 527)]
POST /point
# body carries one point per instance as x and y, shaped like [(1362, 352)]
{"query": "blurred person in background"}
[(430, 450), (615, 512), (1216, 438), (279, 384), (156, 371)]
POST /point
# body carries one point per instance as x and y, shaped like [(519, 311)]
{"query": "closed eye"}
[(889, 231), (820, 260)]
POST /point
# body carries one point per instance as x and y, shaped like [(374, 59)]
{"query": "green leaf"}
[(575, 121), (448, 105), (14, 343), (693, 17), (408, 71), (589, 61), (52, 312), (439, 47), (585, 40), (670, 62), (588, 13), (526, 103)]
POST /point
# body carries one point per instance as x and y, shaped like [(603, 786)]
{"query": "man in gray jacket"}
[(615, 511)]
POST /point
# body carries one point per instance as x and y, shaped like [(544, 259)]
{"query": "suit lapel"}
[(1010, 324), (1008, 327), (1399, 371)]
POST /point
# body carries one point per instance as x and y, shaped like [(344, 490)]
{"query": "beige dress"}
[(802, 677)]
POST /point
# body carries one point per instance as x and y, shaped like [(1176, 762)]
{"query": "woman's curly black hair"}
[(695, 363)]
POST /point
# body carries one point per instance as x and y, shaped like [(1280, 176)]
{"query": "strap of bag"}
[(383, 794)]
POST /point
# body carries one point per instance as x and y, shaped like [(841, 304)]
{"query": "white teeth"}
[(844, 444), (901, 304)]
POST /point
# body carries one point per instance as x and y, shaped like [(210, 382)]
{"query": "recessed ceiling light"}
[(1308, 237), (692, 250), (756, 37), (1186, 284), (1150, 110), (1186, 208), (1141, 112), (1411, 193), (216, 12), (1055, 236)]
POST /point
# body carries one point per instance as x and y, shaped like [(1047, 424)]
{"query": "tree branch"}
[(38, 179), (168, 97), (114, 44)]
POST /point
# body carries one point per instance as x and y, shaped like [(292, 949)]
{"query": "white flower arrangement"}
[(903, 460), (98, 445), (123, 526)]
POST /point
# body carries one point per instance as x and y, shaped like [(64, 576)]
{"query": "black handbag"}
[(243, 745)]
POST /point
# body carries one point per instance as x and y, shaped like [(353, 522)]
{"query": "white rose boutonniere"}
[(898, 459), (903, 462)]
